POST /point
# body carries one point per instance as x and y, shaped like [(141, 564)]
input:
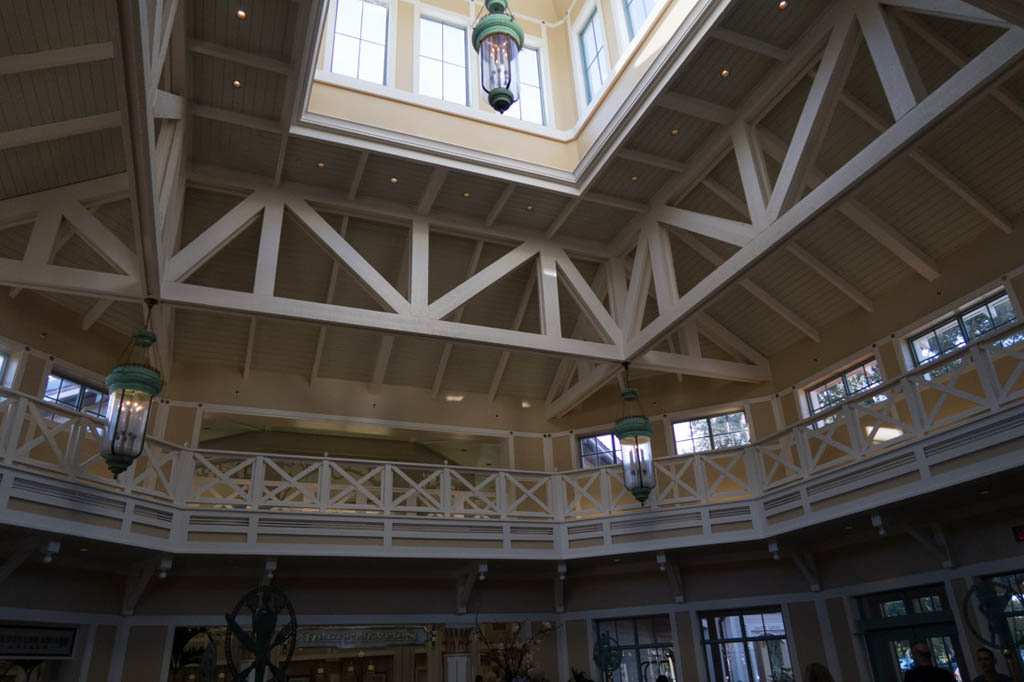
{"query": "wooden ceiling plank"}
[(831, 276), (52, 59), (499, 205), (55, 131), (698, 108), (751, 44), (652, 160)]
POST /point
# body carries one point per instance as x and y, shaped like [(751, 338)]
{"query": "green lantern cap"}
[(498, 22), (628, 427), (134, 376)]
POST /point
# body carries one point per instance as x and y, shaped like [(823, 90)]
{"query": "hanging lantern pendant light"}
[(634, 433), (497, 38), (132, 385)]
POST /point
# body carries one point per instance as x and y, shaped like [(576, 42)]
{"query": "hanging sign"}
[(26, 641), (361, 638)]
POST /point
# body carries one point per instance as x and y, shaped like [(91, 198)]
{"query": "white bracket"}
[(135, 585), (164, 566), (809, 568), (464, 586), (773, 549), (879, 523), (934, 542), (49, 548), (481, 571), (269, 567), (675, 579), (560, 588)]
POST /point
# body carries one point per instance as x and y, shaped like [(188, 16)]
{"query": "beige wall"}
[(144, 655)]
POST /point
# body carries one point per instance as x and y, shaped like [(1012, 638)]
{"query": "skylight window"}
[(637, 12), (955, 333), (361, 40), (711, 433), (530, 105), (443, 61), (594, 53)]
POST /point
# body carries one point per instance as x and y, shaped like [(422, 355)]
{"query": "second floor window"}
[(846, 384), (637, 12), (361, 40), (711, 433), (443, 61), (600, 450), (530, 105), (960, 330), (594, 54), (77, 396)]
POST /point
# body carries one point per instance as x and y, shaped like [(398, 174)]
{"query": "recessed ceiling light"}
[(83, 549), (675, 131), (465, 195), (321, 164), (635, 178), (725, 73), (783, 4), (983, 492), (454, 398), (529, 207), (236, 84), (526, 403), (241, 15), (394, 181)]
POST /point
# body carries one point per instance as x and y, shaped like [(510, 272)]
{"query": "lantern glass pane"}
[(499, 67), (127, 417), (637, 462)]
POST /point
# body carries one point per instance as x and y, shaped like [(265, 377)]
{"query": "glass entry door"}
[(890, 649)]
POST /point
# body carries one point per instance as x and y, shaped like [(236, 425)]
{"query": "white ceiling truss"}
[(782, 188)]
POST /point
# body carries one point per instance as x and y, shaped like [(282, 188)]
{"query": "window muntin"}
[(645, 644), (443, 61), (843, 386), (746, 645), (637, 12), (955, 333), (77, 396), (361, 40), (711, 433), (600, 450), (3, 366), (530, 105), (594, 54)]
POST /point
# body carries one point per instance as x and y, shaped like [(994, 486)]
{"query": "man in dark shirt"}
[(924, 669), (986, 661)]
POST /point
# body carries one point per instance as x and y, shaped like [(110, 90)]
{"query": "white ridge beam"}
[(975, 78), (895, 66), (702, 367), (652, 160), (815, 117), (55, 131), (698, 108), (446, 353), (751, 44), (722, 229), (831, 276), (51, 59)]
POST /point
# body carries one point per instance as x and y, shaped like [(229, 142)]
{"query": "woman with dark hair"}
[(816, 672)]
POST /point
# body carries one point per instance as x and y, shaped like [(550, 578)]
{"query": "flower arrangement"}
[(513, 655)]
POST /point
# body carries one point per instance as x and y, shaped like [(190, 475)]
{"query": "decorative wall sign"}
[(26, 641), (362, 638)]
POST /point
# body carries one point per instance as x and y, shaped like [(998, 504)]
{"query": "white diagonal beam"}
[(55, 131), (270, 245), (446, 352), (524, 302), (757, 185), (562, 216), (895, 66), (816, 116), (1011, 11), (587, 299), (99, 237), (375, 283), (52, 59), (726, 195), (702, 367), (723, 337), (431, 190), (959, 10), (43, 238), (547, 293), (698, 108), (18, 210), (462, 294), (380, 366), (975, 78), (499, 205), (214, 238), (321, 338), (864, 218), (663, 271), (168, 105), (830, 276), (722, 229), (751, 44), (357, 175), (652, 160), (757, 291), (597, 377), (95, 313)]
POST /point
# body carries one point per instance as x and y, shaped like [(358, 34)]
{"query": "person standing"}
[(924, 669), (986, 661)]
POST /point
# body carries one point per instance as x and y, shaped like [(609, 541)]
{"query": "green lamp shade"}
[(634, 435), (498, 38)]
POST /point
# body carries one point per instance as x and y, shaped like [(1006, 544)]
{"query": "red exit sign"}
[(1018, 532)]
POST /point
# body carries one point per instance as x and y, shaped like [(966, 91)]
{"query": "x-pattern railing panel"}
[(950, 393), (152, 472), (781, 460), (421, 491), (884, 422), (223, 479), (528, 494), (677, 480), (583, 493), (726, 474), (620, 497), (284, 489), (356, 486), (45, 437), (1008, 366), (474, 493), (830, 445)]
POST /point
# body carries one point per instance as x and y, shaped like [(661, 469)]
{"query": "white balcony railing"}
[(50, 442)]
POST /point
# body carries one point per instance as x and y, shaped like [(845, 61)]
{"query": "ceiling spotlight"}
[(983, 492), (725, 73), (236, 84), (529, 207), (635, 178), (465, 195), (783, 4), (675, 131), (321, 164), (394, 181), (242, 15)]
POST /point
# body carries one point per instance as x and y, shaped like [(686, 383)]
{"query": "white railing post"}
[(755, 471), (700, 478), (72, 465), (182, 476), (558, 499), (803, 451), (915, 405), (386, 488), (324, 485), (606, 491), (502, 492), (12, 428), (982, 358), (853, 428), (256, 481), (447, 502)]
